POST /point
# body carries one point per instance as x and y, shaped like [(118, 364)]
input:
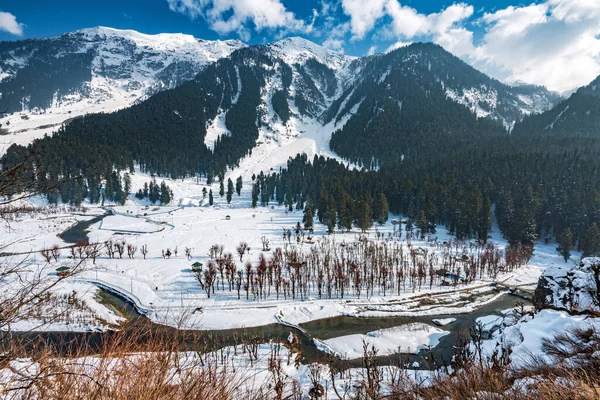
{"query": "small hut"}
[(197, 266)]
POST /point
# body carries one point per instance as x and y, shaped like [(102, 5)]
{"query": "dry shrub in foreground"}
[(135, 365)]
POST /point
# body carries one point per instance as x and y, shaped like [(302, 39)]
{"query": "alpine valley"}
[(399, 225)]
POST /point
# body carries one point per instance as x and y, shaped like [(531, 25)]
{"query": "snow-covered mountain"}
[(45, 82), (435, 71), (254, 100)]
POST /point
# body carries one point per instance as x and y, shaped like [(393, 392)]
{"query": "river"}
[(141, 328)]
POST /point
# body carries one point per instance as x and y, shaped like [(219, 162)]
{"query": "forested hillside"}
[(419, 98), (538, 186)]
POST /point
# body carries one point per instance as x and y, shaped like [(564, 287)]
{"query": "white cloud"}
[(372, 50), (227, 16), (8, 23), (335, 35), (397, 45), (554, 43), (333, 44), (406, 21), (363, 15), (443, 28)]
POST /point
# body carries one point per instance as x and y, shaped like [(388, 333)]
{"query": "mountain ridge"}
[(310, 87)]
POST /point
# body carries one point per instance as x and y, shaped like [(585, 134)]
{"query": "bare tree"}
[(120, 248), (265, 243), (110, 248), (144, 250), (47, 254), (131, 250), (241, 249), (93, 251), (55, 252)]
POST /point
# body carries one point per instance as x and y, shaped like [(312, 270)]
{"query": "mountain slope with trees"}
[(578, 115)]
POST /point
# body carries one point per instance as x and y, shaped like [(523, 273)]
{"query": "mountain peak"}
[(295, 49)]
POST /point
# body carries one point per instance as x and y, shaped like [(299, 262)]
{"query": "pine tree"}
[(210, 198), (229, 190), (165, 193), (590, 245), (565, 243), (255, 193), (322, 205), (422, 224), (330, 215), (484, 220), (308, 219), (238, 185), (345, 211), (364, 216), (127, 183), (204, 191), (380, 209), (221, 188)]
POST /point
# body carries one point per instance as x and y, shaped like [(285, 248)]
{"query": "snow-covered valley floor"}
[(166, 289)]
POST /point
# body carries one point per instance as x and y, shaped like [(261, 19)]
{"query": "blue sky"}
[(48, 18), (555, 43)]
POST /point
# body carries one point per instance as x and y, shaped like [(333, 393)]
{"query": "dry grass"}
[(144, 364)]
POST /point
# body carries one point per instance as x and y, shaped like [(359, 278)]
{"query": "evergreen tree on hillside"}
[(238, 185), (211, 200), (590, 245), (165, 193), (221, 188), (565, 243), (255, 193), (422, 224), (345, 209), (229, 190), (484, 220), (364, 213), (154, 192), (127, 183), (322, 205), (380, 209), (308, 219), (330, 215)]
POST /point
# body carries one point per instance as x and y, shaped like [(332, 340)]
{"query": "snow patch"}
[(408, 338)]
